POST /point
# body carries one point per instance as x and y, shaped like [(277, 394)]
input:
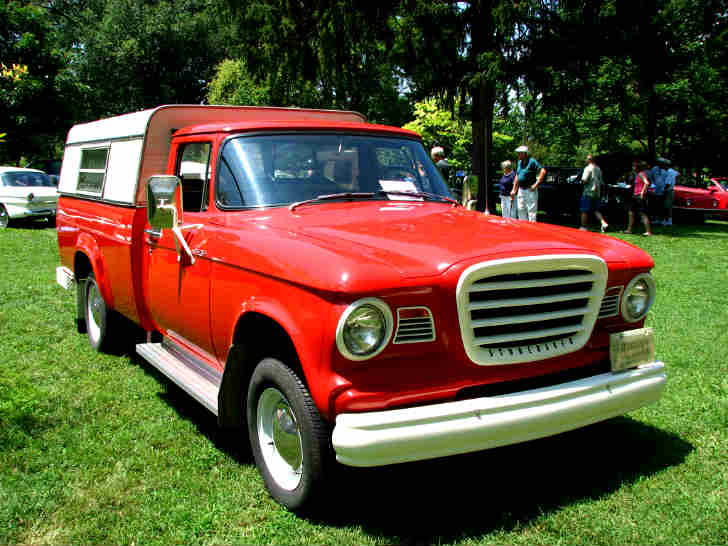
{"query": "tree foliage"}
[(36, 85), (233, 84), (329, 53), (439, 127), (136, 54), (568, 77)]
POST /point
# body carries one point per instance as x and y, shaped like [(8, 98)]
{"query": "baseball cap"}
[(522, 149)]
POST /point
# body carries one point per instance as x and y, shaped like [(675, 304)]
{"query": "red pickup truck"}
[(307, 275)]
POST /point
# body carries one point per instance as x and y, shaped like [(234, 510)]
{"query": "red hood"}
[(372, 242)]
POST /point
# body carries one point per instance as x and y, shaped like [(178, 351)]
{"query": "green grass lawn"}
[(100, 449)]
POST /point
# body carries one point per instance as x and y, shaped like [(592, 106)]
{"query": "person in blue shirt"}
[(529, 175), (656, 176), (506, 186)]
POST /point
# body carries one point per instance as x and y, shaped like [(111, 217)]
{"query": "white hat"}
[(522, 149)]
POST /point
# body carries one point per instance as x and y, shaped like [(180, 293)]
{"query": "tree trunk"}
[(651, 121), (483, 104), (483, 93)]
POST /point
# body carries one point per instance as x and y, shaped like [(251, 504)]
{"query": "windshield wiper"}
[(346, 195), (369, 195), (423, 194)]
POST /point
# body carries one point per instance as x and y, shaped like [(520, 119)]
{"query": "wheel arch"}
[(88, 258), (256, 336)]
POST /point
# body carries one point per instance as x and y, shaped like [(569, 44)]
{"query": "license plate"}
[(631, 348)]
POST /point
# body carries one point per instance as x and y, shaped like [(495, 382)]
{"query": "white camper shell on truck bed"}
[(107, 159)]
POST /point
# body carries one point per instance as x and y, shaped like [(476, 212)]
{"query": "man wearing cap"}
[(529, 175)]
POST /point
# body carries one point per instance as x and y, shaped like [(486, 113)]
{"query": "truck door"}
[(178, 292)]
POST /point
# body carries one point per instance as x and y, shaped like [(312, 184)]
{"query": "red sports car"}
[(702, 197)]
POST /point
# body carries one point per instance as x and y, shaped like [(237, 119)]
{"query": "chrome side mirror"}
[(164, 211), (164, 202)]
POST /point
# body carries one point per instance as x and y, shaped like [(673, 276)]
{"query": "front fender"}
[(305, 319)]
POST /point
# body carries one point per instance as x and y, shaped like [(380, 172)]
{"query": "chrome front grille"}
[(527, 309)]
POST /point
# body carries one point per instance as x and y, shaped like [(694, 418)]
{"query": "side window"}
[(193, 168), (92, 171)]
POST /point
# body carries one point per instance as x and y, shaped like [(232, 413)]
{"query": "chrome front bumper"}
[(425, 432)]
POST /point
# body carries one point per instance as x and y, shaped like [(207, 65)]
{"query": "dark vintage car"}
[(560, 191), (560, 194)]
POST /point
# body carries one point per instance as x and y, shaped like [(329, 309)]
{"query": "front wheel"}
[(289, 439)]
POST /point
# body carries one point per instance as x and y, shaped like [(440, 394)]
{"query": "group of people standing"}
[(652, 194), (519, 188), (519, 191)]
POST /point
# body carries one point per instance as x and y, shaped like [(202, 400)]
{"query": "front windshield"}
[(26, 179), (278, 170)]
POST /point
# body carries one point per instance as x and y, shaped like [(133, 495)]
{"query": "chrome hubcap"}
[(280, 439), (3, 217)]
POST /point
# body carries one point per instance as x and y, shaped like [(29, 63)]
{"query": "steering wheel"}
[(398, 173)]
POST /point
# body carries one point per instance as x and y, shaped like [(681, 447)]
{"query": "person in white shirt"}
[(592, 195)]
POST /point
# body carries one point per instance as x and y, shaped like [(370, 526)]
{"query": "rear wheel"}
[(97, 315), (289, 439)]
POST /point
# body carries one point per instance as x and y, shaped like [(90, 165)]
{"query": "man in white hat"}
[(529, 175)]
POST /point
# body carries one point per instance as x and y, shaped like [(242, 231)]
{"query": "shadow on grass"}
[(448, 499), (232, 442)]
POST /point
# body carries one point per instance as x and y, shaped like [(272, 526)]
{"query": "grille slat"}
[(528, 318), (522, 336), (511, 302), (536, 283), (528, 309)]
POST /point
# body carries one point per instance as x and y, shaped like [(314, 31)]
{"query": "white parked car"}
[(26, 193)]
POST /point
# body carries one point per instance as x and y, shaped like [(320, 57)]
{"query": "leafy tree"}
[(642, 77), (158, 52), (438, 127), (233, 84), (329, 53), (461, 52), (36, 87)]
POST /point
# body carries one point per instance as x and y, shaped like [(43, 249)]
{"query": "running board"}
[(199, 387)]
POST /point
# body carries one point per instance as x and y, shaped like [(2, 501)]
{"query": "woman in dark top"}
[(506, 186)]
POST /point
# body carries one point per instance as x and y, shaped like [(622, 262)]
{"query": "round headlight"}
[(638, 297), (364, 329)]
